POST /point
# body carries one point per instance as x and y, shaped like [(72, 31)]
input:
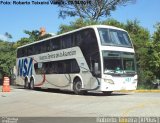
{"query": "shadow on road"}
[(101, 94), (72, 93)]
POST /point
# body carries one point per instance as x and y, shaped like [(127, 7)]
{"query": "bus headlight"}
[(109, 81)]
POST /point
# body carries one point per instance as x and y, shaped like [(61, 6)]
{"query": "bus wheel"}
[(31, 84), (107, 92), (77, 86), (26, 83)]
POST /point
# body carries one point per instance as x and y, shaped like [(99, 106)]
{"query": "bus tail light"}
[(109, 81)]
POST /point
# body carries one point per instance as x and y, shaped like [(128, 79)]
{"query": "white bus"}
[(96, 58)]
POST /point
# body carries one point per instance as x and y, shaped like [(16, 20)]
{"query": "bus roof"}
[(91, 26)]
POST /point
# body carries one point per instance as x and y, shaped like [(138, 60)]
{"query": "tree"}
[(141, 40), (75, 25), (156, 35), (154, 53), (7, 57), (9, 36), (35, 35), (89, 9), (113, 22), (22, 42)]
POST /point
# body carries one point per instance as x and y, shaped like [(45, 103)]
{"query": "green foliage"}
[(113, 22), (149, 59), (154, 53), (81, 23), (8, 35), (35, 35), (75, 25), (156, 35), (7, 57), (44, 36), (92, 11), (22, 42)]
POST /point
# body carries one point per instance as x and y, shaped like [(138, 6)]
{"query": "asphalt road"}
[(52, 103)]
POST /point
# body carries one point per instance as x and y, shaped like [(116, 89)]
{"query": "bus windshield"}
[(118, 62), (112, 37)]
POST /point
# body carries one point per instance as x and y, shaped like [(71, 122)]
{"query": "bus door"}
[(95, 70)]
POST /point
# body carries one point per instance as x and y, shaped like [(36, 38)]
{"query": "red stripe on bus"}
[(43, 81)]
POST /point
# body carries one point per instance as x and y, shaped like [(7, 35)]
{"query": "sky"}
[(14, 19)]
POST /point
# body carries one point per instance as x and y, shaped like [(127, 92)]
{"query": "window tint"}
[(114, 37), (30, 50), (58, 67), (104, 36), (19, 53), (55, 44), (66, 41), (79, 38), (87, 41), (38, 48), (47, 44), (25, 51)]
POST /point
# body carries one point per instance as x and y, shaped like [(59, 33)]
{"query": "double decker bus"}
[(97, 58)]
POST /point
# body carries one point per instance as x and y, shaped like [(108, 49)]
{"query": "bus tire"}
[(107, 93), (31, 84), (26, 85), (77, 86)]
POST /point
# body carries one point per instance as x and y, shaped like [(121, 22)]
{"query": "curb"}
[(154, 91), (141, 91)]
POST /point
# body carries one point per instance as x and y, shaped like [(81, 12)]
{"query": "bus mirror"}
[(96, 71)]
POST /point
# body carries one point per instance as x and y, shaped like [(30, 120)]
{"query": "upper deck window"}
[(113, 37)]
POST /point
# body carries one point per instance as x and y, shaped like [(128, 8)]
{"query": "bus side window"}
[(36, 68), (78, 38), (74, 66), (73, 40), (68, 66), (37, 48), (39, 68), (54, 67), (19, 53), (43, 47), (30, 50), (55, 44), (60, 67), (25, 52), (66, 42), (47, 44)]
